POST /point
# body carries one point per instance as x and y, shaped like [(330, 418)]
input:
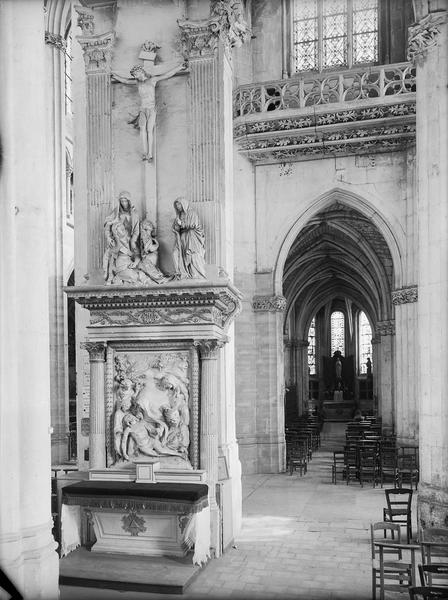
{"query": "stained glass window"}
[(334, 33), (365, 342), (337, 327), (312, 347)]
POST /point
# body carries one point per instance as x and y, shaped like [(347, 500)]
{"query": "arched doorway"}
[(338, 279)]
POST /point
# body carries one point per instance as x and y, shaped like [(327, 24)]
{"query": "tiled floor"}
[(302, 537)]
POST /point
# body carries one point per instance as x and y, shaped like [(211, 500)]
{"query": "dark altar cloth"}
[(183, 497)]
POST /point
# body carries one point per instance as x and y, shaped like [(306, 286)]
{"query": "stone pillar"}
[(376, 375), (55, 52), (303, 384), (97, 51), (27, 549), (386, 400), (428, 47), (270, 419), (208, 350), (97, 438), (407, 375)]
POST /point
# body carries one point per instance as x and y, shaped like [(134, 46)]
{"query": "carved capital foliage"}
[(97, 52), (424, 35), (86, 20), (96, 351), (209, 349), (385, 327), (55, 40), (226, 23), (405, 295), (269, 303)]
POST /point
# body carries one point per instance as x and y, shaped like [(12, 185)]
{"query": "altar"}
[(141, 519)]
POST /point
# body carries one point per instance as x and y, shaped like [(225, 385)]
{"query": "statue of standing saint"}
[(146, 80), (189, 246)]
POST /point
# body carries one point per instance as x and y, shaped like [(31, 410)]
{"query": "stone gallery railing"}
[(325, 88)]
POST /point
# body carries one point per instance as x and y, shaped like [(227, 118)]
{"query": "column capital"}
[(55, 40), (96, 350), (209, 349), (86, 20), (385, 327), (97, 51), (226, 24), (405, 295), (424, 35), (269, 303)]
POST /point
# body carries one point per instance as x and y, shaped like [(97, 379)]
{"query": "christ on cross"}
[(146, 80)]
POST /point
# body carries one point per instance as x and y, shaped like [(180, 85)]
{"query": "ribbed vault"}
[(339, 254)]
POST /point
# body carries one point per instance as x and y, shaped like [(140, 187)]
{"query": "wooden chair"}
[(368, 464), (298, 459), (351, 463), (434, 543), (383, 531), (434, 574), (338, 466), (398, 509), (395, 575), (407, 470), (388, 465), (428, 593)]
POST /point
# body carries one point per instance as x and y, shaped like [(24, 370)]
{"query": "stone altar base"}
[(338, 411), (163, 575)]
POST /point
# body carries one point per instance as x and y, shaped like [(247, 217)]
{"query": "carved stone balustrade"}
[(338, 113)]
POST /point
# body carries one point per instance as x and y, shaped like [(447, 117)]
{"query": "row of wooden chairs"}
[(302, 439)]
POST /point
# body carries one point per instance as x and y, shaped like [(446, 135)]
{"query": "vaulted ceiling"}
[(339, 254)]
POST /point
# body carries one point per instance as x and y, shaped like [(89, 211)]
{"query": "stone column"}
[(56, 47), (27, 549), (386, 400), (407, 376), (97, 51), (97, 438), (303, 384), (209, 350), (428, 47), (376, 375), (270, 418)]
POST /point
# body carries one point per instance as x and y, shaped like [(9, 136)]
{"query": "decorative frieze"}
[(385, 327), (424, 35), (269, 303), (405, 295), (55, 40)]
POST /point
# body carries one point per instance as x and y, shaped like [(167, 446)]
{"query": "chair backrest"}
[(429, 592), (398, 498), (434, 543), (385, 530), (434, 574)]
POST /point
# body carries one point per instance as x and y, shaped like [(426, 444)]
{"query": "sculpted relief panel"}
[(153, 408)]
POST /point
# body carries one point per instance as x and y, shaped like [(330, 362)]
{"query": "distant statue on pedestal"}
[(338, 394), (369, 367), (338, 367), (189, 246), (146, 79)]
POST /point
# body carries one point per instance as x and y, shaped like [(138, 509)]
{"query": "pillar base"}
[(432, 506)]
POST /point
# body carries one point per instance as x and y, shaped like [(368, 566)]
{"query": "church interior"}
[(221, 306)]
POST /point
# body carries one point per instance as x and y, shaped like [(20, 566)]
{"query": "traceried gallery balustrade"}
[(325, 88)]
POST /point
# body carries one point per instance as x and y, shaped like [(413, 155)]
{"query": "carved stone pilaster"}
[(55, 40), (97, 51), (424, 35), (97, 440), (208, 349), (385, 327), (405, 295), (269, 303)]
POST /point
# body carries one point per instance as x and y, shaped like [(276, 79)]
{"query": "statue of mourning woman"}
[(149, 252), (189, 246), (121, 255)]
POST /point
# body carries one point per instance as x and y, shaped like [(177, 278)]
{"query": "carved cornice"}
[(269, 303), (96, 350), (353, 131), (209, 349), (405, 295), (226, 23), (55, 40), (385, 327), (424, 35), (166, 304), (97, 51)]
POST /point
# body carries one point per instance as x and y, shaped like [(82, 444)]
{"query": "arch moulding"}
[(354, 201)]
